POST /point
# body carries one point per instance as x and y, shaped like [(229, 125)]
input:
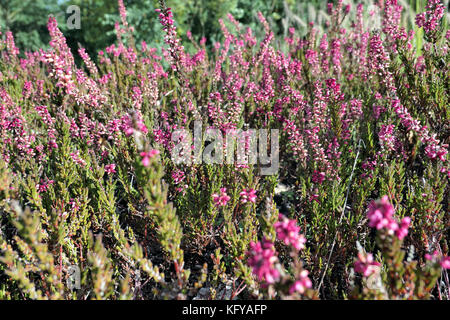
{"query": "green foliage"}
[(27, 20), (141, 230)]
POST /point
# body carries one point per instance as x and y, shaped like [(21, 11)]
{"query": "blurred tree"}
[(201, 17), (27, 19), (94, 34), (142, 17)]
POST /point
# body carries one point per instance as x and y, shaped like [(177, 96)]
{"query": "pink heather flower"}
[(58, 42), (43, 186), (365, 264), (324, 54), (288, 232), (301, 284), (431, 256), (222, 199), (313, 60), (381, 216), (391, 17), (420, 19), (436, 257), (262, 259), (178, 176), (123, 13), (445, 263), (420, 65), (129, 131), (380, 213), (74, 205), (336, 55), (176, 50), (147, 155), (387, 137), (318, 177), (110, 168), (347, 8), (87, 61), (330, 8), (378, 62), (429, 19), (433, 148), (10, 44), (248, 195), (76, 158), (402, 231)]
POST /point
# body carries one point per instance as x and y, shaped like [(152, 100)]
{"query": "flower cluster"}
[(444, 261), (110, 168), (221, 200), (302, 283), (429, 19), (147, 156), (248, 195), (433, 148), (288, 232), (381, 216), (262, 258), (360, 109), (366, 264), (176, 50)]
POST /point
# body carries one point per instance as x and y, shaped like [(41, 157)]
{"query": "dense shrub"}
[(357, 209)]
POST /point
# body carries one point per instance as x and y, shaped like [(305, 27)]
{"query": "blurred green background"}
[(27, 18)]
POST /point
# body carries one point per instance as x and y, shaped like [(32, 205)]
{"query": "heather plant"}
[(358, 207)]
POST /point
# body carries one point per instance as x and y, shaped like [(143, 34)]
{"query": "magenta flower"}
[(176, 50), (436, 257), (429, 19), (123, 13), (445, 263), (381, 216), (288, 232), (380, 213), (301, 284), (147, 155), (110, 168), (402, 231), (431, 256), (433, 147), (318, 177), (43, 186), (262, 259), (178, 176), (77, 159), (387, 137), (248, 195), (74, 204), (222, 198), (10, 44), (365, 264)]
